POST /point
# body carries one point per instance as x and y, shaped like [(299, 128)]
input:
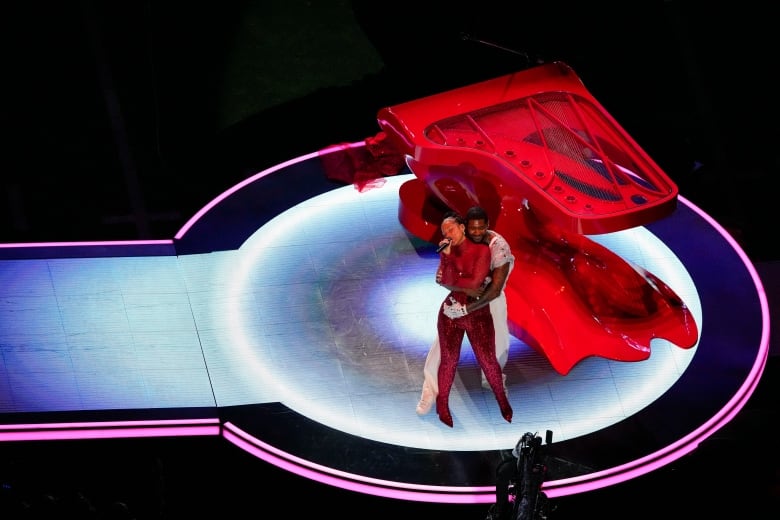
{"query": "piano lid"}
[(540, 136)]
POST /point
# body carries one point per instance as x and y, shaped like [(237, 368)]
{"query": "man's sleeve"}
[(500, 252)]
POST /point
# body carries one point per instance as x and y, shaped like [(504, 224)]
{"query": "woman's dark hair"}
[(454, 216)]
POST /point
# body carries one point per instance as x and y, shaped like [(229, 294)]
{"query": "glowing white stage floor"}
[(327, 308)]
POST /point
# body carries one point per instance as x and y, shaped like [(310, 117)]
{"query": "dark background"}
[(121, 119)]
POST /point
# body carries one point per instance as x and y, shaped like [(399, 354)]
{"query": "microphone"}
[(444, 246)]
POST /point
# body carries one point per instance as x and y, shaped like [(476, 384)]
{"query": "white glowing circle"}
[(399, 313)]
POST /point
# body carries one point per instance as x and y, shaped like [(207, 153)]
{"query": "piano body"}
[(550, 166)]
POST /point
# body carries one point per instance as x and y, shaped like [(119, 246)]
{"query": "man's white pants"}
[(501, 326)]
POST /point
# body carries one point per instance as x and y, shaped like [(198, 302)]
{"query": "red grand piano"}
[(550, 165)]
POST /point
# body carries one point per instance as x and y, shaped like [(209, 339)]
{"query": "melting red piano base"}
[(568, 297), (550, 166)]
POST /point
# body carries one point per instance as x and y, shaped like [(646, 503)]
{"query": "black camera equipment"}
[(519, 494)]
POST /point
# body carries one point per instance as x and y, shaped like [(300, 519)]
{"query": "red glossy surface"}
[(536, 135), (550, 165)]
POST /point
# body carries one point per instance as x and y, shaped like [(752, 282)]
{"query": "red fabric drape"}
[(364, 166)]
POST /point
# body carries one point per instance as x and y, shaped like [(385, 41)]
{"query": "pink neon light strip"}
[(267, 448), (260, 175), (105, 424), (111, 433), (553, 488), (91, 430), (690, 442), (356, 485), (109, 429)]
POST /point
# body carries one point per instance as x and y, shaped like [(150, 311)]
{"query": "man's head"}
[(477, 224)]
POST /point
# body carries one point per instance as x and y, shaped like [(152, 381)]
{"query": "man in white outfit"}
[(501, 264)]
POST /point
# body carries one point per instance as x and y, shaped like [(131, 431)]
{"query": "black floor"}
[(180, 478), (732, 475)]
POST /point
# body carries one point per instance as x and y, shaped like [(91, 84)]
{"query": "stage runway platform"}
[(290, 318)]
